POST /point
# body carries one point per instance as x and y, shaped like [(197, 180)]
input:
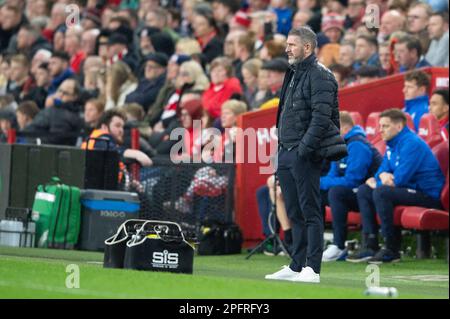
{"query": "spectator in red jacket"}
[(223, 86)]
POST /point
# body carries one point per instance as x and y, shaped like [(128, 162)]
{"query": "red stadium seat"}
[(373, 125), (353, 218), (379, 144), (430, 130), (441, 153), (357, 118)]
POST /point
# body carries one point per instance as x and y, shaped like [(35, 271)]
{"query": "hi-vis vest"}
[(91, 145), (95, 134)]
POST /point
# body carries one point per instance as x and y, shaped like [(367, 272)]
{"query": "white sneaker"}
[(332, 253), (286, 273), (307, 275)]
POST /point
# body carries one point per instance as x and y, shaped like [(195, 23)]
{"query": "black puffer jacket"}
[(308, 116), (58, 124)]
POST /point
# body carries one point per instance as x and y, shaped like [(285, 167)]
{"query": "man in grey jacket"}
[(437, 54), (308, 133)]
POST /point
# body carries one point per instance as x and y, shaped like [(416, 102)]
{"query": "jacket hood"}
[(356, 130)]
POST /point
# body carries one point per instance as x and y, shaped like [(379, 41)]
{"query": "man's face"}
[(417, 19), (436, 27), (411, 90), (385, 57), (301, 18), (294, 49), (153, 70), (389, 23), (56, 66), (346, 55), (404, 56), (333, 34), (275, 79), (91, 113), (71, 43), (220, 11), (438, 107), (363, 50), (355, 8), (10, 19), (17, 71), (201, 26), (42, 77), (22, 39), (146, 45), (389, 129), (227, 118), (66, 91), (115, 128)]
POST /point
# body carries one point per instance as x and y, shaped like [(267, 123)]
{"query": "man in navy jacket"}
[(409, 175), (341, 183)]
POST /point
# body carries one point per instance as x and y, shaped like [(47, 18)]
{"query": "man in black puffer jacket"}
[(308, 133), (60, 122)]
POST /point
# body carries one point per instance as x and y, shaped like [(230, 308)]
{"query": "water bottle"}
[(382, 291)]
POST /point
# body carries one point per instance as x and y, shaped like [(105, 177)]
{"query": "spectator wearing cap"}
[(408, 52), (223, 12), (118, 50), (366, 52), (223, 86), (154, 79), (333, 27), (60, 70), (145, 44), (206, 33), (437, 54), (241, 21), (276, 69)]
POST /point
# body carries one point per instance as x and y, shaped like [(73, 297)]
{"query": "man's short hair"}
[(395, 115), (29, 108), (135, 110), (306, 34), (371, 39), (346, 119), (233, 5), (61, 55), (108, 116), (420, 77), (412, 43), (443, 15), (442, 92), (20, 59)]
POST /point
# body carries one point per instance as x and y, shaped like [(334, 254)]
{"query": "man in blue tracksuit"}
[(342, 181), (415, 91), (409, 175)]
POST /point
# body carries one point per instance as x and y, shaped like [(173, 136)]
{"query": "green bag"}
[(56, 211)]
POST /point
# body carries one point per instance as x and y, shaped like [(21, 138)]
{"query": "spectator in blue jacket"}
[(343, 179), (59, 67), (409, 175), (415, 91)]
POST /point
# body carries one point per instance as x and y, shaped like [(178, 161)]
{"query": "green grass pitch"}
[(41, 273)]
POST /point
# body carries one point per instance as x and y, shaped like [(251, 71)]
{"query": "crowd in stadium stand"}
[(163, 64)]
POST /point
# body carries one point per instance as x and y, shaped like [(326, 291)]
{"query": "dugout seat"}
[(430, 130), (373, 125)]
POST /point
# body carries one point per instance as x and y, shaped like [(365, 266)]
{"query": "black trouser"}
[(382, 200), (300, 184), (341, 200)]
